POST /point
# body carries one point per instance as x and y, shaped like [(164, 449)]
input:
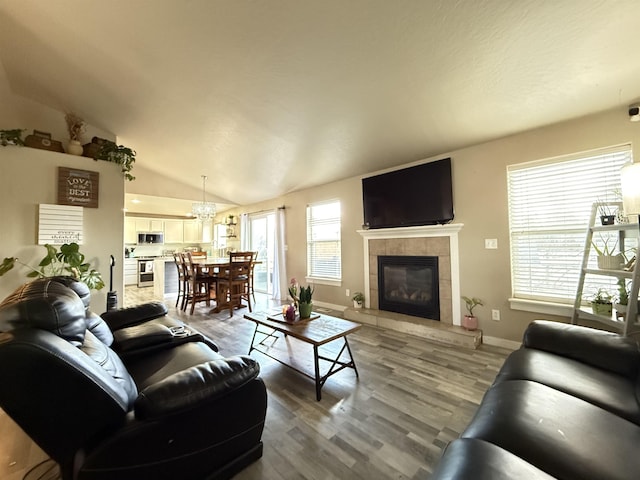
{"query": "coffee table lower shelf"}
[(274, 342)]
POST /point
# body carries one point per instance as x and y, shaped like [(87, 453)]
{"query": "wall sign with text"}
[(78, 187)]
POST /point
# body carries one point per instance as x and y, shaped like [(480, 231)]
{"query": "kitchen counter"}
[(165, 277)]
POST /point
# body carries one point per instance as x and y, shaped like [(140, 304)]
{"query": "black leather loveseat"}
[(166, 406), (565, 405)]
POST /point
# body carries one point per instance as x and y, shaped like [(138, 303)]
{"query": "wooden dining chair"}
[(200, 282), (182, 280), (233, 281)]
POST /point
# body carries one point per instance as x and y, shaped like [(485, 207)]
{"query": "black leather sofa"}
[(565, 405), (132, 395)]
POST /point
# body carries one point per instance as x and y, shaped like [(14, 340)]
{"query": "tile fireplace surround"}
[(432, 240)]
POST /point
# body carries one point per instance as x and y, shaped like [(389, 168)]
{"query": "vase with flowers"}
[(301, 298), (76, 126)]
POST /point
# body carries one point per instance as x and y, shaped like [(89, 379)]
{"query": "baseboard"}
[(332, 306), (501, 342)]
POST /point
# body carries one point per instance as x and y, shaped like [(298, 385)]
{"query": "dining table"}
[(207, 264)]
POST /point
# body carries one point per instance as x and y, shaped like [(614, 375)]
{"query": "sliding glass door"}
[(261, 240)]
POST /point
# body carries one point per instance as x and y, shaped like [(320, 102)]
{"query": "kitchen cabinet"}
[(130, 234), (149, 225), (192, 231), (173, 231), (130, 271)]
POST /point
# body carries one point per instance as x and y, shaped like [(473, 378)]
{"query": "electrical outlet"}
[(491, 243), (495, 315), (348, 292)]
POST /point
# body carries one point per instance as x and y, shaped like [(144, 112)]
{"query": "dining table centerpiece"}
[(301, 298)]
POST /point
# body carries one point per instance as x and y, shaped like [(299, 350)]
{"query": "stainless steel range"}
[(145, 272)]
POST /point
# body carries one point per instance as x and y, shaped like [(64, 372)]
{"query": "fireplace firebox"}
[(409, 285)]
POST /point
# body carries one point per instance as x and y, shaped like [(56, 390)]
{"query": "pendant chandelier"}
[(204, 211)]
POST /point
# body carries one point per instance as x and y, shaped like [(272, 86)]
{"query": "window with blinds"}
[(323, 241), (549, 206)]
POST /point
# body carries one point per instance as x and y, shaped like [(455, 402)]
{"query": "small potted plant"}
[(601, 303), (470, 321), (11, 137), (123, 156), (358, 300), (607, 215), (301, 300), (607, 258), (622, 298)]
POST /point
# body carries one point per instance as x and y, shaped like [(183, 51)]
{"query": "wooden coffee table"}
[(271, 338)]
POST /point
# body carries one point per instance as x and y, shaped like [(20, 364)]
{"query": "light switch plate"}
[(491, 243)]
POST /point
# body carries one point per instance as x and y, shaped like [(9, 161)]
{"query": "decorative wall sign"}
[(78, 187), (60, 224)]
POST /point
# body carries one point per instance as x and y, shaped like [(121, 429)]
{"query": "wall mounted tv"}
[(420, 195)]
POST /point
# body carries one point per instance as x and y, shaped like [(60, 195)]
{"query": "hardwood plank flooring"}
[(413, 397)]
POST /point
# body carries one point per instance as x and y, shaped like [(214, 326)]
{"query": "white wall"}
[(28, 177), (480, 197)]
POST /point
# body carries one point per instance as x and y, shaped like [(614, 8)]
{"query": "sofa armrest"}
[(195, 386), (126, 317), (605, 350)]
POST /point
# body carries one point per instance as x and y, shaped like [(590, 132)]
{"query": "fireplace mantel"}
[(449, 230)]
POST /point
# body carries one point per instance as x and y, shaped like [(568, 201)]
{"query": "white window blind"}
[(549, 206), (323, 241)]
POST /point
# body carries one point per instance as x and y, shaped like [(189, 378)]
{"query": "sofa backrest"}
[(66, 385)]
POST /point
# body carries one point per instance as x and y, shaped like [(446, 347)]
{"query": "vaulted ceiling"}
[(266, 97)]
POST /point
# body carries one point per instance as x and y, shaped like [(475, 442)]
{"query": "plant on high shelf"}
[(76, 126), (470, 321), (123, 156), (11, 137), (68, 261), (302, 300), (358, 299), (607, 214), (601, 303)]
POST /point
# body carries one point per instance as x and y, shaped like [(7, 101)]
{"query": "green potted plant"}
[(123, 156), (470, 321), (303, 299), (622, 298), (11, 137), (607, 258), (358, 299), (601, 303), (67, 261)]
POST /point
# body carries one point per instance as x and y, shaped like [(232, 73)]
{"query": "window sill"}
[(537, 306), (323, 281)]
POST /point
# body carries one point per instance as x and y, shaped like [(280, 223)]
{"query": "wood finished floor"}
[(413, 396)]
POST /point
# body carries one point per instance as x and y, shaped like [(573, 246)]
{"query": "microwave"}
[(148, 238)]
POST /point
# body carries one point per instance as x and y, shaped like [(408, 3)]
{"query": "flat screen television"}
[(420, 195)]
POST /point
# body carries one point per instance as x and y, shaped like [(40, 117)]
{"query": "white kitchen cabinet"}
[(192, 231), (130, 271), (142, 224), (156, 225), (173, 231), (130, 233)]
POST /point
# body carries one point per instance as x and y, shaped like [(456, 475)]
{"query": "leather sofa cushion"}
[(153, 334), (470, 458), (603, 388), (126, 317), (47, 305), (112, 365), (160, 364), (605, 350), (193, 386), (562, 435)]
